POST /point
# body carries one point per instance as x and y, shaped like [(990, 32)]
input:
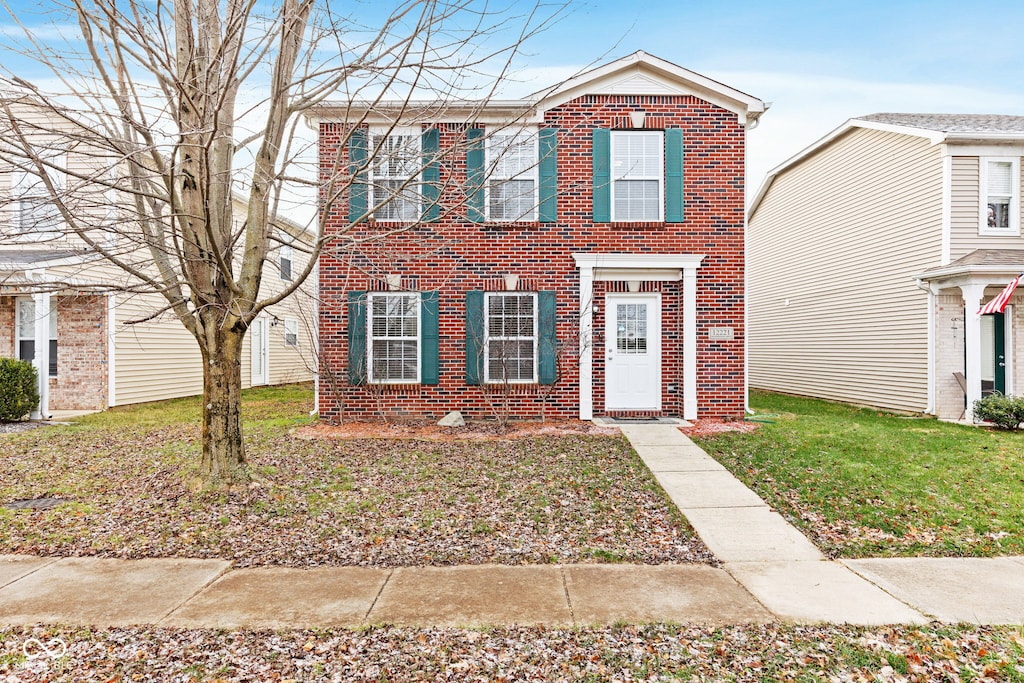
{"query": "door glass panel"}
[(988, 345), (631, 328)]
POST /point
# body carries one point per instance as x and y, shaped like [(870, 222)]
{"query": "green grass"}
[(868, 483)]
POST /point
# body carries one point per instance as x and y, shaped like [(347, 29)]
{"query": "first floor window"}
[(27, 333), (291, 332), (511, 343), (394, 337), (637, 175), (1000, 184)]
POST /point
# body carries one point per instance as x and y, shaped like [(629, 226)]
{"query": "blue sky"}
[(818, 63)]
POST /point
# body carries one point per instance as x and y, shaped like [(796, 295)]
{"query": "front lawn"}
[(868, 483), (326, 501)]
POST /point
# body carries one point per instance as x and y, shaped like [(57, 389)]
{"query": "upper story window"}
[(285, 261), (511, 342), (394, 175), (512, 162), (1000, 196), (36, 217), (637, 175), (394, 337), (27, 333)]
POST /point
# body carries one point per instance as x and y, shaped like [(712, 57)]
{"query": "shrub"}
[(19, 389), (1005, 412)]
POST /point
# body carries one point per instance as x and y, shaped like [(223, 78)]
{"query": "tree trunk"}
[(223, 461)]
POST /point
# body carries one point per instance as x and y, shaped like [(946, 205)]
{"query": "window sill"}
[(634, 224), (509, 225), (998, 232)]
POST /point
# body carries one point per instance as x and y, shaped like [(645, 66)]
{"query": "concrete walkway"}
[(789, 576), (770, 571)]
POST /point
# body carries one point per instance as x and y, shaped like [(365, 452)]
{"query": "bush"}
[(1005, 412), (19, 389)]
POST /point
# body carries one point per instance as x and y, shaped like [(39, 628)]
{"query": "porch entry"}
[(633, 352), (260, 351), (993, 354)]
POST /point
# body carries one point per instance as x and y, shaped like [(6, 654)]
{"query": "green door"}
[(993, 354), (999, 340)]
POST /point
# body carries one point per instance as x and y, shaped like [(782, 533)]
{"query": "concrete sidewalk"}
[(770, 571), (787, 574)]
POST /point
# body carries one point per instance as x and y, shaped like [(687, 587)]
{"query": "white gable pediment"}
[(640, 84)]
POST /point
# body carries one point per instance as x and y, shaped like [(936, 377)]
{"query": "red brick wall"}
[(454, 255), (7, 324), (81, 381)]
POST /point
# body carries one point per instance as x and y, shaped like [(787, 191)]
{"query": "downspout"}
[(111, 350)]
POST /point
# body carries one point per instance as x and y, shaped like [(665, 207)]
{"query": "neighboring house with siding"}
[(578, 253), (870, 253), (97, 339)]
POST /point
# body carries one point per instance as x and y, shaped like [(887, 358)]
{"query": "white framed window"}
[(510, 351), (1000, 196), (285, 261), (27, 333), (395, 175), (291, 332), (36, 217), (638, 175), (512, 163), (393, 327)]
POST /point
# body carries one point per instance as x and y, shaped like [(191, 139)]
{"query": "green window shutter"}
[(548, 175), (474, 337), (357, 338), (601, 151), (674, 175), (357, 192), (431, 143), (428, 338), (475, 175), (547, 357)]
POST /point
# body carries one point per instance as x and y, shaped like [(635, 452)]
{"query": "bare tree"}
[(184, 103)]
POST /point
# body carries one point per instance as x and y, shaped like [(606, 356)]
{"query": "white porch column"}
[(586, 364), (972, 294), (42, 353), (690, 343)]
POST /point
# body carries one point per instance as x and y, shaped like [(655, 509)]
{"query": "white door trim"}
[(654, 346), (259, 356), (620, 267)]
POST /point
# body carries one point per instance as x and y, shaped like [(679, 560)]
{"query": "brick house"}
[(578, 253)]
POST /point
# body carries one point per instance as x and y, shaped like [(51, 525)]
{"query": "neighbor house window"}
[(511, 343), (27, 333), (285, 256), (512, 180), (394, 335), (395, 174), (1000, 206), (36, 216), (291, 332), (637, 170)]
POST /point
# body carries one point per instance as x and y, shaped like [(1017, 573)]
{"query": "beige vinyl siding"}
[(832, 251), (965, 213), (154, 360)]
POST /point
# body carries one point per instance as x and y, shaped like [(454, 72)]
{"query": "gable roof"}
[(635, 74), (937, 128)]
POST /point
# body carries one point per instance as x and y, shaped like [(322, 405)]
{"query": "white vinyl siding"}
[(512, 176), (833, 248), (393, 328), (966, 203), (510, 352), (394, 182), (638, 175), (36, 217)]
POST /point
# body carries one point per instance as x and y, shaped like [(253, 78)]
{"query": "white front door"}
[(633, 352), (258, 345)]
